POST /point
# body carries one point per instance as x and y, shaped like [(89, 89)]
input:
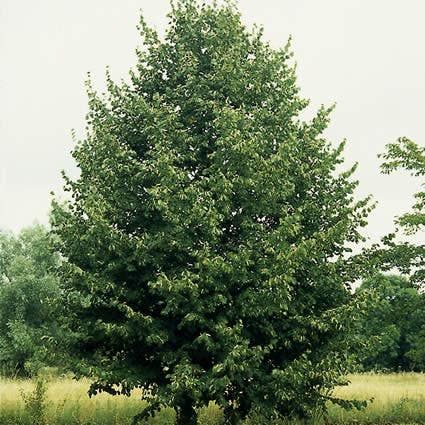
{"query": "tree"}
[(207, 236), (408, 257), (29, 294), (391, 325)]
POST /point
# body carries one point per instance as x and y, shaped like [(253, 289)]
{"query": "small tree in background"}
[(391, 325), (30, 297), (207, 233)]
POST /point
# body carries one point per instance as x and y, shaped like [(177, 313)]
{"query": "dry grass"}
[(67, 403), (386, 388), (398, 399)]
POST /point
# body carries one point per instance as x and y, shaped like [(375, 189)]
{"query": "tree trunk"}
[(186, 414)]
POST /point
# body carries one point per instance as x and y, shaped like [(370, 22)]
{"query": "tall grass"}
[(398, 399)]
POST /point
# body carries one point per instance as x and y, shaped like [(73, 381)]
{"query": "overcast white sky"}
[(367, 55)]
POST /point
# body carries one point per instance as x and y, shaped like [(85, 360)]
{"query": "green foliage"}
[(409, 156), (416, 353), (35, 403), (207, 236), (29, 293), (409, 258), (390, 329)]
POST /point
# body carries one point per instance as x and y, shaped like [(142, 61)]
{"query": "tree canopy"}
[(407, 256), (30, 297), (208, 236), (408, 155), (391, 326)]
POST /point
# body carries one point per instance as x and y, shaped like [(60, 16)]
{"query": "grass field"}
[(398, 399)]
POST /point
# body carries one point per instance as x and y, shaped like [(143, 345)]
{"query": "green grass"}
[(398, 399)]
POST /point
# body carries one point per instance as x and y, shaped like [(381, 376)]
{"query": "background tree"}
[(29, 294), (408, 257), (207, 233), (390, 328)]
